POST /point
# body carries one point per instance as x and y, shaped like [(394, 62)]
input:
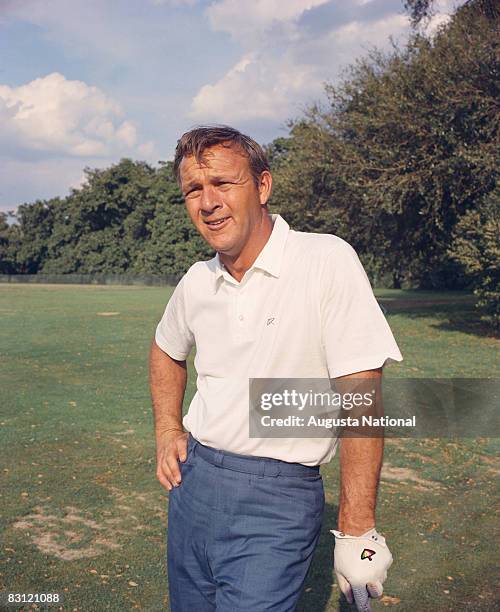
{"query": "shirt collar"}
[(269, 259)]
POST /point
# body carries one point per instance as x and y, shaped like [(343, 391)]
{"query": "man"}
[(245, 513)]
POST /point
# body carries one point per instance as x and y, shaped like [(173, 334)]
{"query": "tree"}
[(420, 10), (8, 237), (101, 227), (174, 244), (126, 218), (35, 223), (476, 247), (404, 148)]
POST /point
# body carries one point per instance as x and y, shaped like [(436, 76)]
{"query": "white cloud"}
[(255, 88), (267, 82), (275, 86), (254, 18), (284, 62), (435, 23), (353, 39), (56, 115)]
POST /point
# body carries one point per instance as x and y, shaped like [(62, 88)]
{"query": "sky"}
[(84, 83)]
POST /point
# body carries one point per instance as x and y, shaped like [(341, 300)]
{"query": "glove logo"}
[(367, 554)]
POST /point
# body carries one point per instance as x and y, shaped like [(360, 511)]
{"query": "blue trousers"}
[(241, 532)]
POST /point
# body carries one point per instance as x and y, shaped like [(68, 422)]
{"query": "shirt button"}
[(241, 317)]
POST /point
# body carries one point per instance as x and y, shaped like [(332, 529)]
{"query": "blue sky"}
[(86, 82)]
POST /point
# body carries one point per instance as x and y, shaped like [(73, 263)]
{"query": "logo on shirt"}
[(271, 321), (367, 554)]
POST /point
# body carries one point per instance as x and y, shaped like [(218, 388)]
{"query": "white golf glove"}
[(361, 564)]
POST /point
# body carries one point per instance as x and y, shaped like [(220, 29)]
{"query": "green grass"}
[(81, 511)]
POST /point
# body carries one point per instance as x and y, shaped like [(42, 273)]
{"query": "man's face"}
[(221, 198)]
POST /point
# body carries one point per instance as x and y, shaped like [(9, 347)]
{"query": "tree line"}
[(400, 160)]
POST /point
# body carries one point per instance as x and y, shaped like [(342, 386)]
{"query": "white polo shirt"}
[(305, 309)]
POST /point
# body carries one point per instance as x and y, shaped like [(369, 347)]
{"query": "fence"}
[(92, 279)]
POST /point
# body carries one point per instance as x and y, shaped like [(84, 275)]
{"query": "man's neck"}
[(239, 264)]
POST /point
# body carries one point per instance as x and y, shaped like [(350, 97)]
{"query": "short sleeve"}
[(355, 333), (173, 335)]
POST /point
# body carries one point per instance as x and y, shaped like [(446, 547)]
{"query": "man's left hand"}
[(361, 564)]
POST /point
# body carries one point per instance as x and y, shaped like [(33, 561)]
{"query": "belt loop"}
[(219, 457), (262, 468)]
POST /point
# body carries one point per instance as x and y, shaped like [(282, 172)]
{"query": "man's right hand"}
[(171, 447)]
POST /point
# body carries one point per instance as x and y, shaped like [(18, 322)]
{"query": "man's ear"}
[(265, 187)]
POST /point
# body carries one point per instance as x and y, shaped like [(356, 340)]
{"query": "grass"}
[(82, 514)]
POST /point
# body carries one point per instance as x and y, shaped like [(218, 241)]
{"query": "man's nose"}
[(210, 200)]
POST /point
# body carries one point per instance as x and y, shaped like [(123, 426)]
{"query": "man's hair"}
[(202, 137)]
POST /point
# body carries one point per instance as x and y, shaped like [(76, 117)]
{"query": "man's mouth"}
[(217, 223)]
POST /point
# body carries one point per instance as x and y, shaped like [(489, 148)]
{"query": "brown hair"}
[(202, 137)]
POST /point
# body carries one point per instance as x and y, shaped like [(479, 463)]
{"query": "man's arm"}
[(360, 464), (361, 556), (167, 380)]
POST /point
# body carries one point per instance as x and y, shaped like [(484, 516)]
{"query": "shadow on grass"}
[(317, 592), (456, 313)]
